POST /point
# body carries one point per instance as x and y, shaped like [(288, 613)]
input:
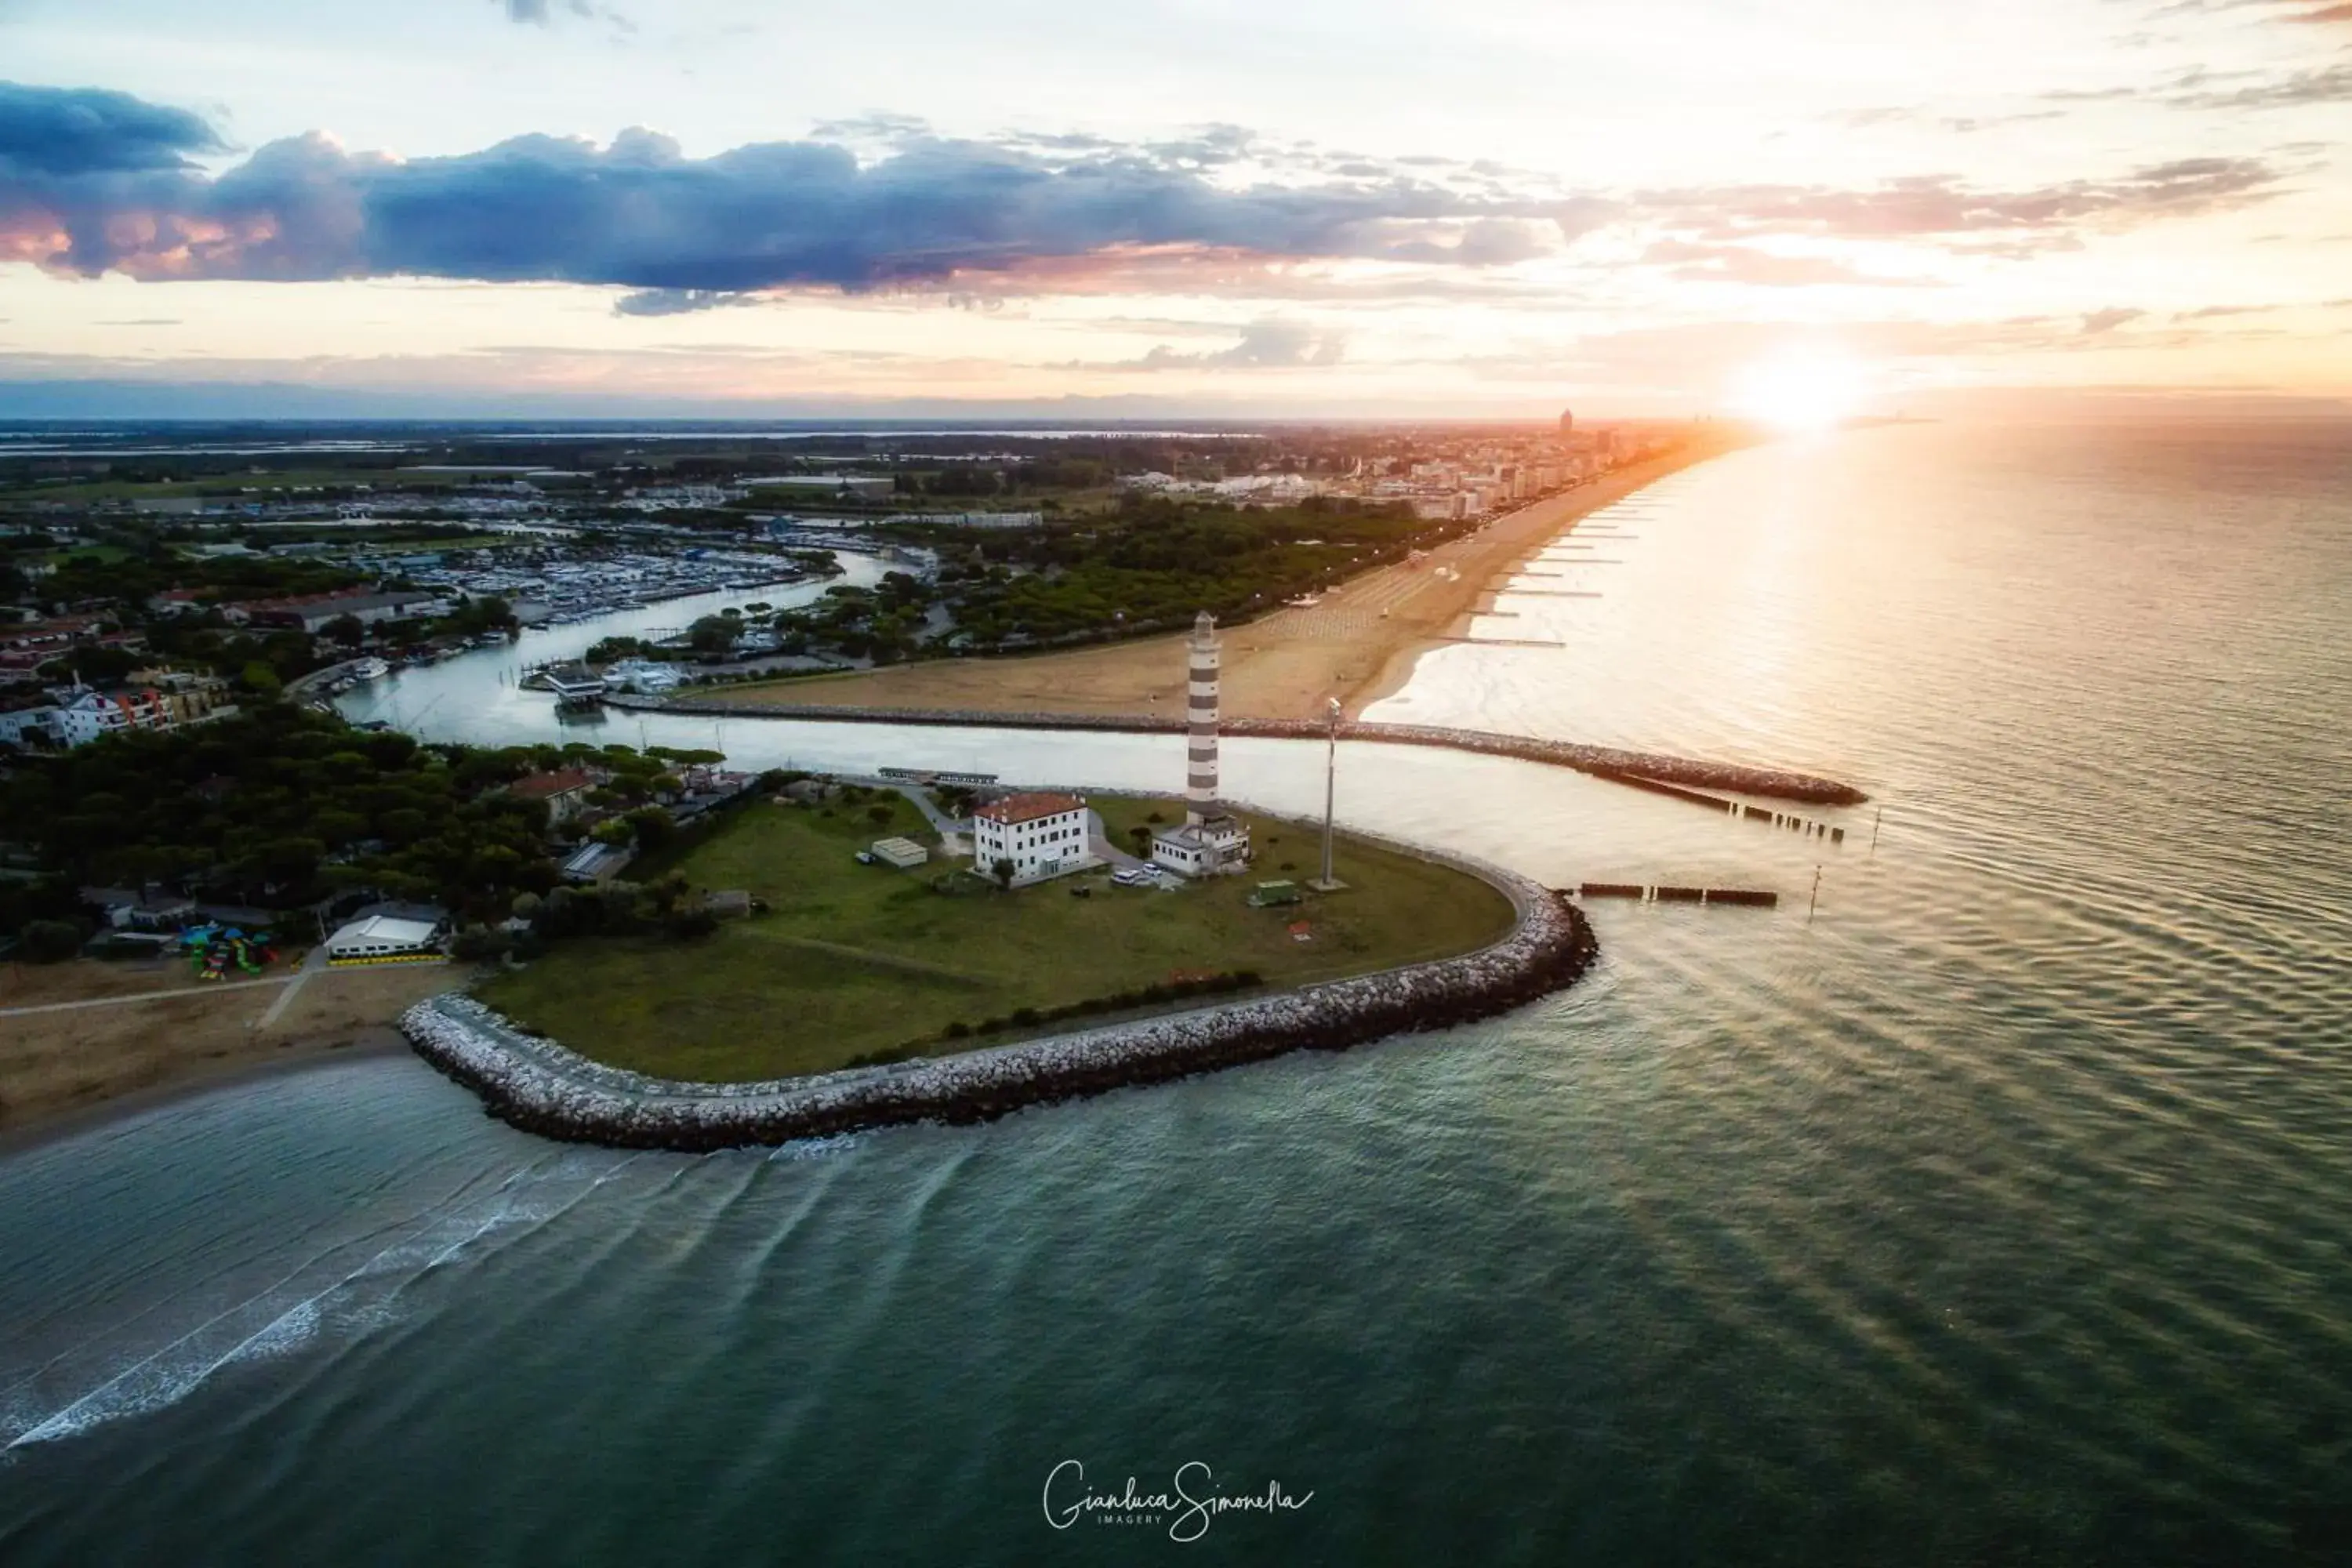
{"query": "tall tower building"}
[(1201, 779), (1210, 840)]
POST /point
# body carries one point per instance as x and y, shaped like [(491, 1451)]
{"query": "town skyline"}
[(513, 206)]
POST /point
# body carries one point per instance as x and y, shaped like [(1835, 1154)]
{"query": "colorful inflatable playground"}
[(213, 950)]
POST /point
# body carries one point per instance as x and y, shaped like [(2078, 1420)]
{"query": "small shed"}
[(1273, 895), (900, 852), (731, 904)]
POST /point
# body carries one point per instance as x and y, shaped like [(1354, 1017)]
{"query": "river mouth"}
[(1995, 1213)]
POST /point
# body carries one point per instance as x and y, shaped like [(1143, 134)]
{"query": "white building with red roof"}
[(1041, 834)]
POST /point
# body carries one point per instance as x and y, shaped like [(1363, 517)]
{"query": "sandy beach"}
[(151, 1036), (1358, 644)]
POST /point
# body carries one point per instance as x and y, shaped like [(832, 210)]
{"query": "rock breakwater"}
[(542, 1087)]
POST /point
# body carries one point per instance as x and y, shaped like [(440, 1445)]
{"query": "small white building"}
[(903, 853), (381, 936), (642, 675), (1043, 834), (1216, 843)]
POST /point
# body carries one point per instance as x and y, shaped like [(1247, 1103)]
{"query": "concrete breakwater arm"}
[(1603, 761), (540, 1086)]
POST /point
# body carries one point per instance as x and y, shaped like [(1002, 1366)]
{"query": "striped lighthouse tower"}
[(1201, 779)]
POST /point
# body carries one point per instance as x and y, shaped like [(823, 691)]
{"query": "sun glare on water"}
[(1801, 391)]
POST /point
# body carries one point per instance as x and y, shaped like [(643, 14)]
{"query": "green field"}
[(860, 961)]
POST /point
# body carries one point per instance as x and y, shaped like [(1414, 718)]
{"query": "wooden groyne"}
[(1806, 826), (1751, 897), (1601, 762), (539, 1086)]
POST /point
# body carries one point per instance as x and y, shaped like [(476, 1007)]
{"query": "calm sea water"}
[(1998, 1213)]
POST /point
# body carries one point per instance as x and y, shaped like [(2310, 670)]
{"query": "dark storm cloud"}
[(76, 132)]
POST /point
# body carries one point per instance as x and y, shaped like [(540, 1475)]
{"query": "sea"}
[(1987, 1202)]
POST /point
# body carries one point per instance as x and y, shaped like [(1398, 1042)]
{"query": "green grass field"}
[(856, 959)]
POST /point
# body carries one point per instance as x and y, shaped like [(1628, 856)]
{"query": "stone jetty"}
[(1601, 762), (540, 1087)]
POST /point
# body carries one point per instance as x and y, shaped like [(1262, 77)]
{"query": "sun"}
[(1802, 391)]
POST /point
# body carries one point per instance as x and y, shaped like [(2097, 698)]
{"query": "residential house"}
[(565, 792)]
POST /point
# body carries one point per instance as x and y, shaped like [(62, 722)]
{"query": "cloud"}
[(679, 301), (2108, 321), (87, 132), (1764, 269), (93, 182), (1932, 207), (2330, 84), (542, 12), (640, 214), (1274, 343)]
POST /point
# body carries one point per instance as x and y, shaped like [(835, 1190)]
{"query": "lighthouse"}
[(1211, 839), (1201, 728)]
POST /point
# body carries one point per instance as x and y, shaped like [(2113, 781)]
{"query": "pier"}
[(1746, 898)]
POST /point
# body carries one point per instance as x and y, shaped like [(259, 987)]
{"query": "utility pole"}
[(1816, 897), (1873, 828), (1330, 788)]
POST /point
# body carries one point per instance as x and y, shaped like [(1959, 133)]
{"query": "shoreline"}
[(1358, 639), (539, 1086), (101, 1045), (375, 1043)]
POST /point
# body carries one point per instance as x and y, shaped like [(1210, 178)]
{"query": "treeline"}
[(282, 808), (1155, 563)]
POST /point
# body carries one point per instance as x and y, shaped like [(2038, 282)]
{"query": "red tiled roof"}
[(1029, 807), (546, 786)]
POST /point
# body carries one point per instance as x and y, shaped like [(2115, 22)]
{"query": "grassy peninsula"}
[(856, 962)]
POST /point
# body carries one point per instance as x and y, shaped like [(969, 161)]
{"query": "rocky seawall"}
[(540, 1086), (1603, 761)]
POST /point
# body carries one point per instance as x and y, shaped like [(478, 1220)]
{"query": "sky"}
[(1480, 208)]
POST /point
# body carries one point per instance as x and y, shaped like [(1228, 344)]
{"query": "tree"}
[(260, 679), (1003, 871), (51, 941), (346, 630), (655, 826), (1140, 836), (101, 664), (879, 814)]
